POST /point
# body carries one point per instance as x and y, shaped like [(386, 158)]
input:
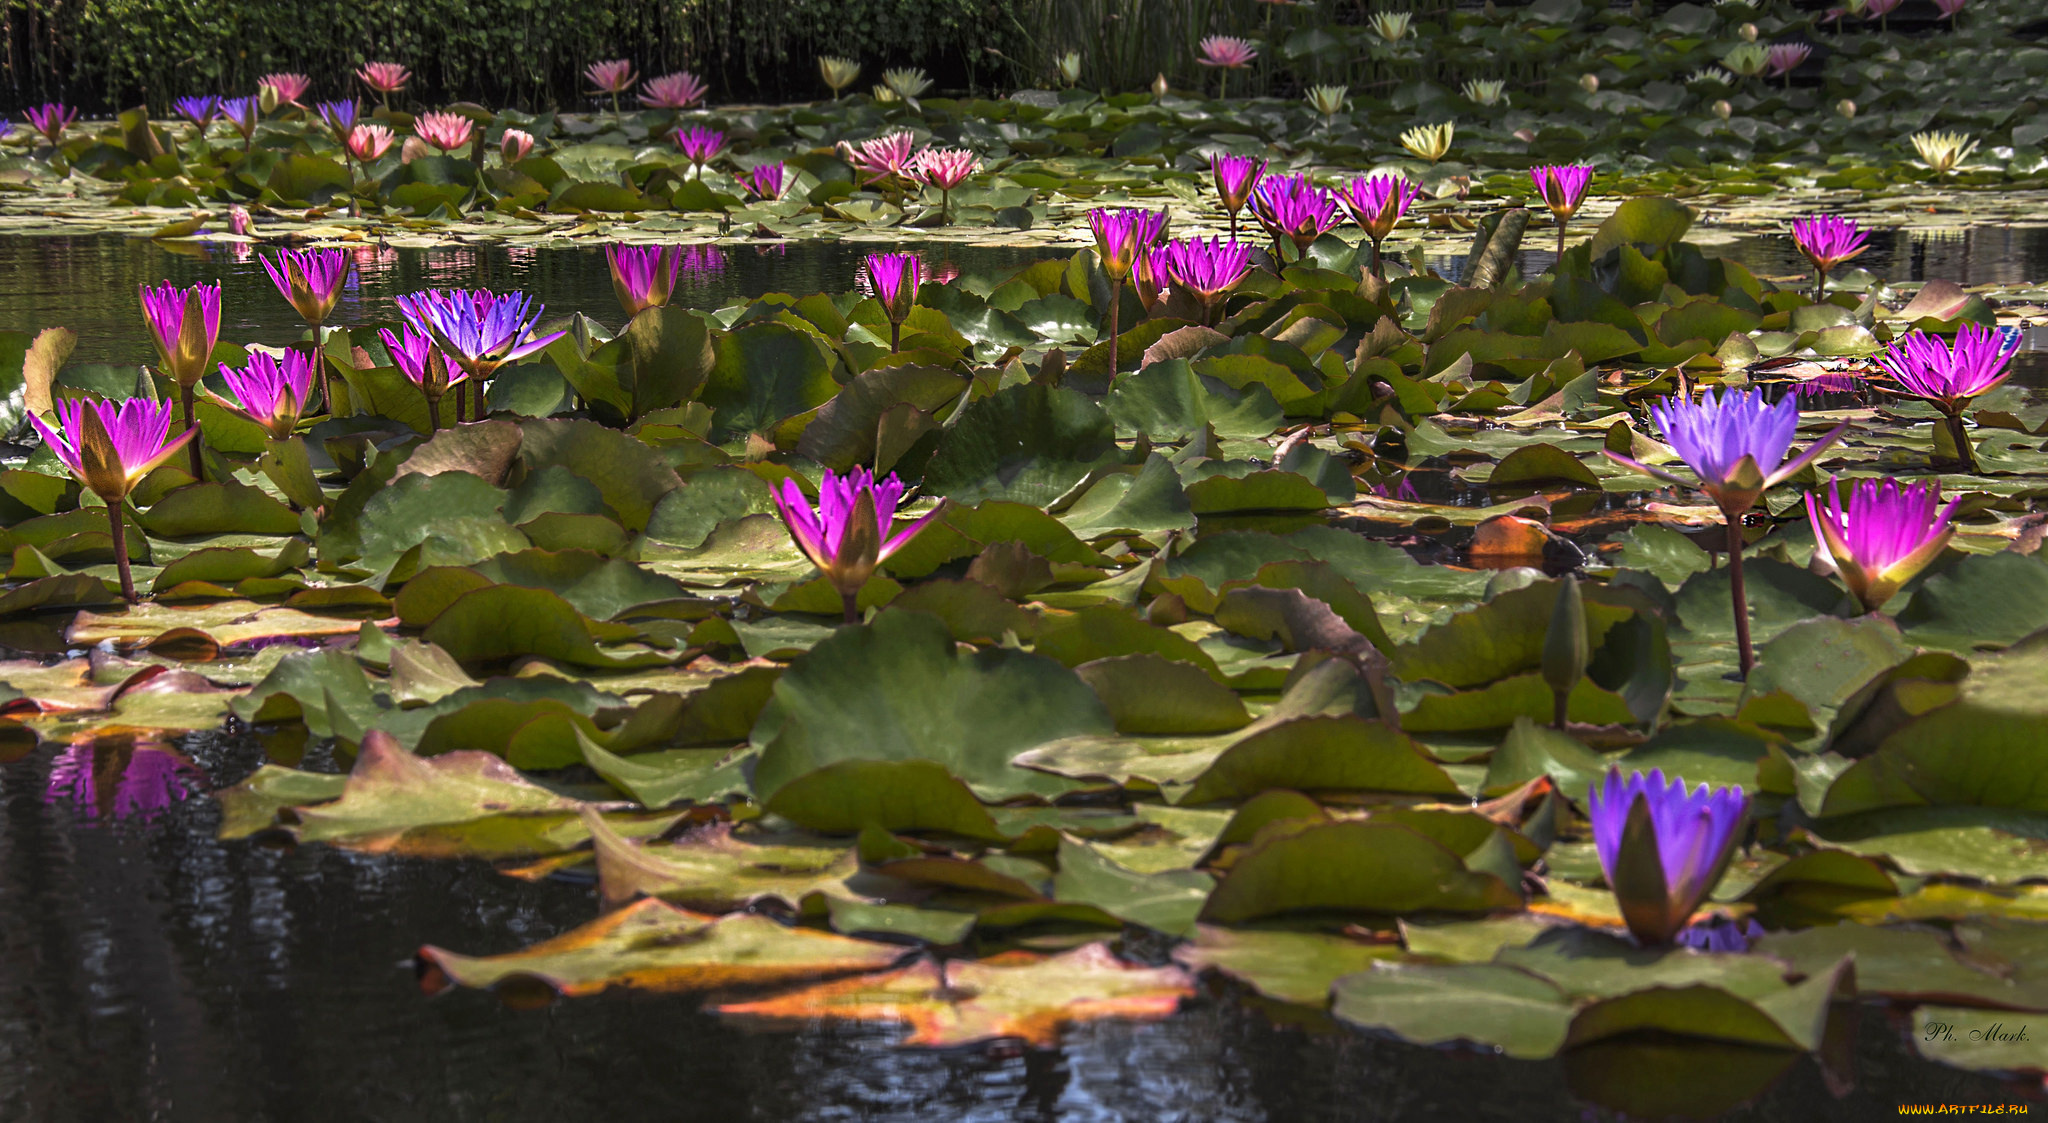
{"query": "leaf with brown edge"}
[(467, 803), (653, 945), (228, 622), (710, 869), (1020, 996)]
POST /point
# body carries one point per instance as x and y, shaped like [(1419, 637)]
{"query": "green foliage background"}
[(111, 53)]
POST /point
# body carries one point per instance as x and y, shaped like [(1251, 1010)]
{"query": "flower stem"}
[(850, 602), (320, 360), (121, 551), (1735, 592), (185, 403), (1561, 224), (1116, 293), (433, 414), (1233, 226), (1559, 715), (1820, 285), (1376, 260), (895, 337), (1964, 452)]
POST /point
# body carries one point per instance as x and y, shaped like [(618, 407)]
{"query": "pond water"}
[(88, 283), (148, 971)]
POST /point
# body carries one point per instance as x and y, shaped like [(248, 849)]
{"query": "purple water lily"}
[(852, 530), (199, 110), (699, 145), (1207, 268), (1735, 442), (1563, 188), (895, 278), (185, 323), (1827, 241), (340, 117), (1292, 208), (1376, 204), (311, 280), (1661, 846), (1235, 177), (765, 181), (109, 447), (643, 277), (51, 119), (242, 113), (271, 391), (426, 365), (1883, 536), (1121, 233), (1948, 377), (477, 329)]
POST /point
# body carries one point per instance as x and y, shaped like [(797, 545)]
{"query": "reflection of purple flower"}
[(1689, 837), (71, 778), (1720, 934), (1827, 382), (151, 780)]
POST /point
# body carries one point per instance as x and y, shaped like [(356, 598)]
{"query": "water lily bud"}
[(1723, 110), (239, 221), (1748, 32), (1846, 107), (1489, 11), (1159, 86), (1590, 83), (1565, 648), (266, 98), (413, 149)]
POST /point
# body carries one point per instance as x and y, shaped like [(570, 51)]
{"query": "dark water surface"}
[(88, 283), (150, 972)]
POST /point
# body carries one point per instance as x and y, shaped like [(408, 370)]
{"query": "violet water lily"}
[(1563, 188), (185, 325), (1827, 241), (311, 280), (109, 447), (340, 116), (1662, 846), (478, 330), (1293, 209), (272, 390), (699, 145), (1883, 536), (1376, 204), (1735, 442), (51, 119), (643, 277), (199, 110), (425, 365), (852, 530), (1121, 233), (241, 113), (895, 278), (1207, 268), (1235, 178), (1948, 377), (765, 181)]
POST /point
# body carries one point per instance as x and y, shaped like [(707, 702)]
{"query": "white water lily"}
[(1486, 91), (1429, 142), (1392, 26), (909, 82), (1944, 152), (1328, 100)]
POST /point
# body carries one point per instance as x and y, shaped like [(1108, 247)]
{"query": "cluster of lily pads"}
[(992, 653)]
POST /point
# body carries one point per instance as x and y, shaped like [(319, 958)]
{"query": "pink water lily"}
[(1948, 377), (1121, 234), (445, 131), (879, 158), (514, 145), (1784, 58), (643, 277), (368, 142), (271, 390), (1376, 204), (109, 447), (1227, 52), (1291, 207), (310, 279), (384, 77), (185, 325), (612, 78), (51, 119), (680, 90), (1235, 177), (852, 530), (1207, 268), (1826, 241), (944, 168), (1884, 535), (1563, 188), (287, 86)]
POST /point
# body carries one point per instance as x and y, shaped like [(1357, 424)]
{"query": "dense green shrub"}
[(106, 53)]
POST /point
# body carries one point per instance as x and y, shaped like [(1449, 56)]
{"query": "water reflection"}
[(148, 971), (121, 779)]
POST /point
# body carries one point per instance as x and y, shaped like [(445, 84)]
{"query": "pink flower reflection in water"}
[(121, 781)]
